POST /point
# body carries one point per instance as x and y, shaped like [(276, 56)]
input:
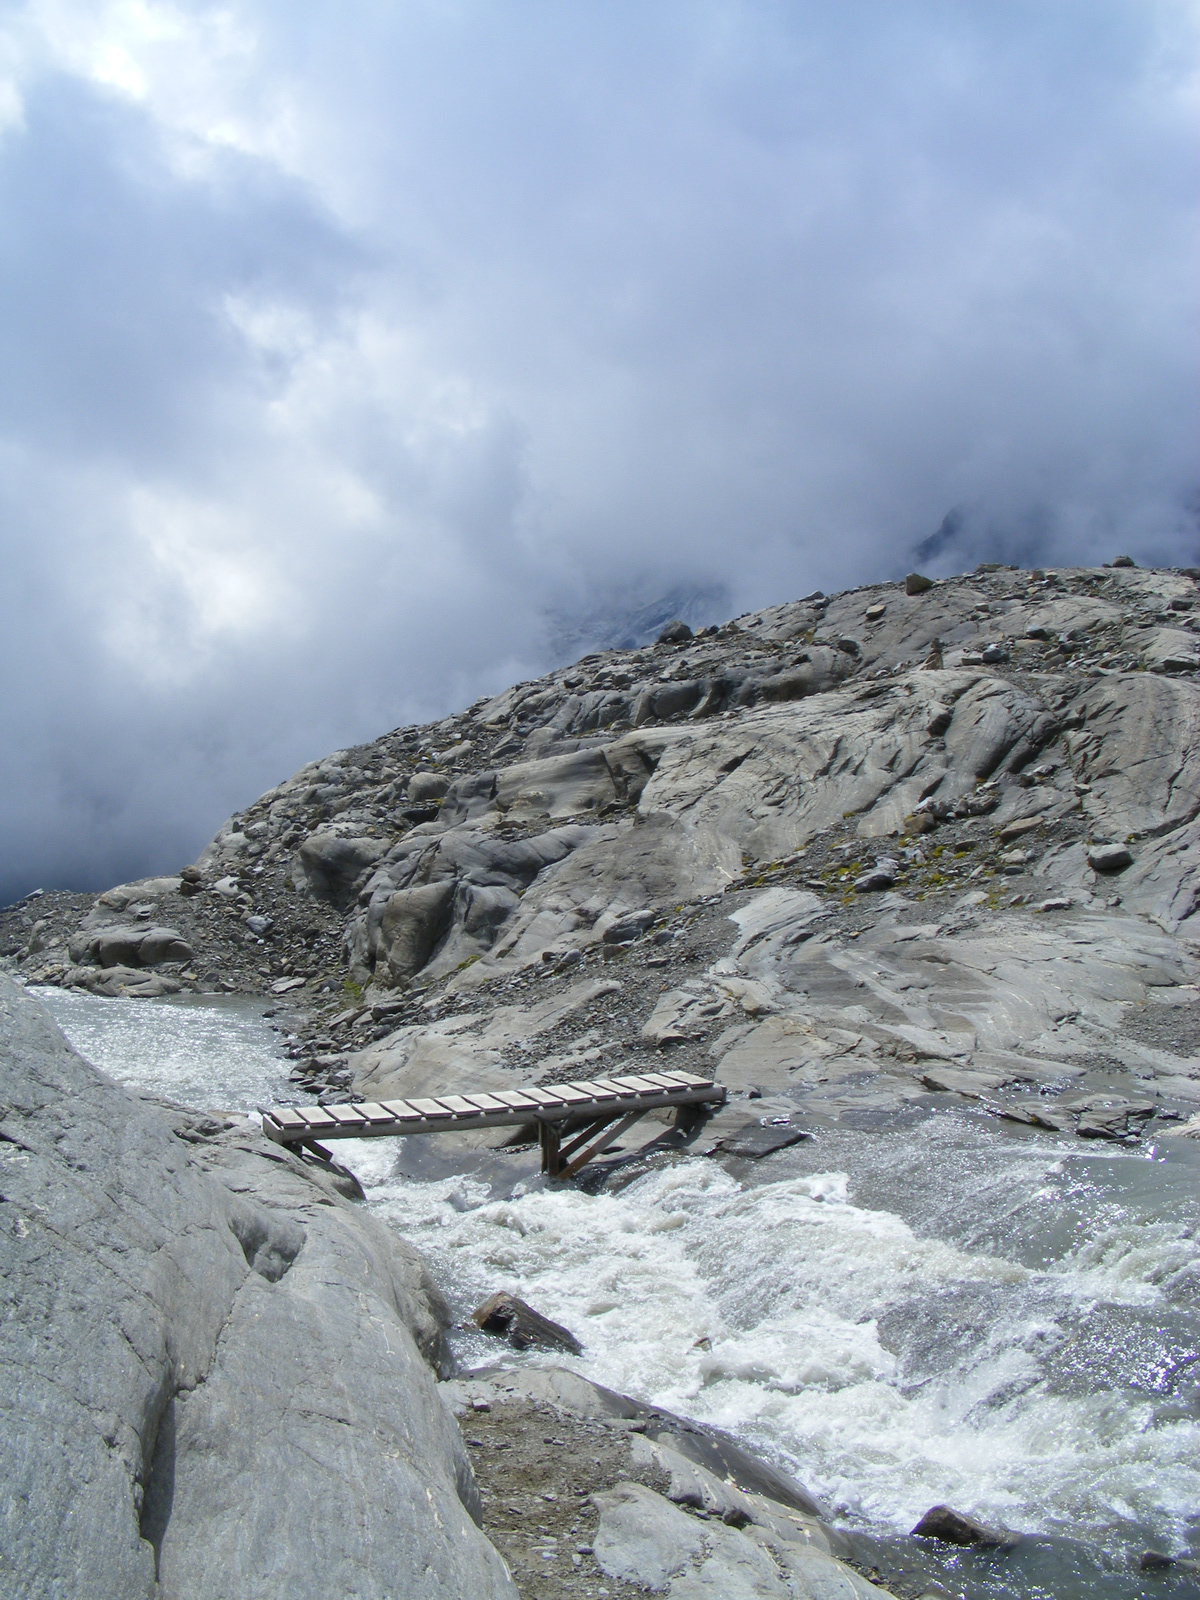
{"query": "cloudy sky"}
[(345, 345)]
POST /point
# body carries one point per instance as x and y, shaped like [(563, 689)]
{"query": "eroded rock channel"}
[(914, 876)]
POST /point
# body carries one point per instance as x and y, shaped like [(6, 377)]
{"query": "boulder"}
[(629, 926), (955, 1527), (215, 1370), (134, 983), (413, 924), (644, 1540), (158, 945), (753, 1140), (1160, 1561), (425, 785), (1112, 1117), (917, 583), (515, 1320), (675, 632), (134, 944), (1109, 857), (950, 1080), (331, 864), (666, 701), (881, 876), (124, 895), (1019, 828)]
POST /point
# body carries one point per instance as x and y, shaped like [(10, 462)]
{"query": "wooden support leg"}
[(550, 1141)]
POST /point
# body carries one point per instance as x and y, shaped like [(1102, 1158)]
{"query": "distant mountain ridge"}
[(622, 623)]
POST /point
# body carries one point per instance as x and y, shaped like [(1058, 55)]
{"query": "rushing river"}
[(941, 1311)]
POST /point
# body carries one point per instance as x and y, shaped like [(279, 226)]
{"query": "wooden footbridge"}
[(575, 1121)]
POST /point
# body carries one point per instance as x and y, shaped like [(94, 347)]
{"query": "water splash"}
[(889, 1368)]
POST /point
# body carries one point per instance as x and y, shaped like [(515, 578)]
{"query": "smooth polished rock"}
[(956, 1527), (213, 1370)]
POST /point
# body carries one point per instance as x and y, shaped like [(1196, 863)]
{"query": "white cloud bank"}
[(343, 343)]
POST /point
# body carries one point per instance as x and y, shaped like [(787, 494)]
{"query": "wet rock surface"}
[(514, 1320), (955, 1527)]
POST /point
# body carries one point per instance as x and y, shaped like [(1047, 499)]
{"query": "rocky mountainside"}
[(926, 838), (860, 857)]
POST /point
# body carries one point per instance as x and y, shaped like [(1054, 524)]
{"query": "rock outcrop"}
[(981, 794), (679, 1510), (216, 1372)]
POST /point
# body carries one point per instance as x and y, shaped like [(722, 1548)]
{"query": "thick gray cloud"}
[(347, 350)]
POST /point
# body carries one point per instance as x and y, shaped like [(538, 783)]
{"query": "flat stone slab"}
[(953, 1080), (753, 1140)]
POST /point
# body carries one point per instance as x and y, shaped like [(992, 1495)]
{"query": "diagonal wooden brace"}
[(606, 1138), (582, 1136)]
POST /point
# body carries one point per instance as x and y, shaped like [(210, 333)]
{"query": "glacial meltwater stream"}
[(941, 1311)]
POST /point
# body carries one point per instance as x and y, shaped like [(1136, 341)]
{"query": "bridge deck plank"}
[(562, 1109)]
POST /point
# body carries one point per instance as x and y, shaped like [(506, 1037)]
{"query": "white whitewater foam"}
[(214, 1053), (757, 1309)]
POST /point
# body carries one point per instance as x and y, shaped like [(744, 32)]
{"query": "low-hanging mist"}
[(358, 364)]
